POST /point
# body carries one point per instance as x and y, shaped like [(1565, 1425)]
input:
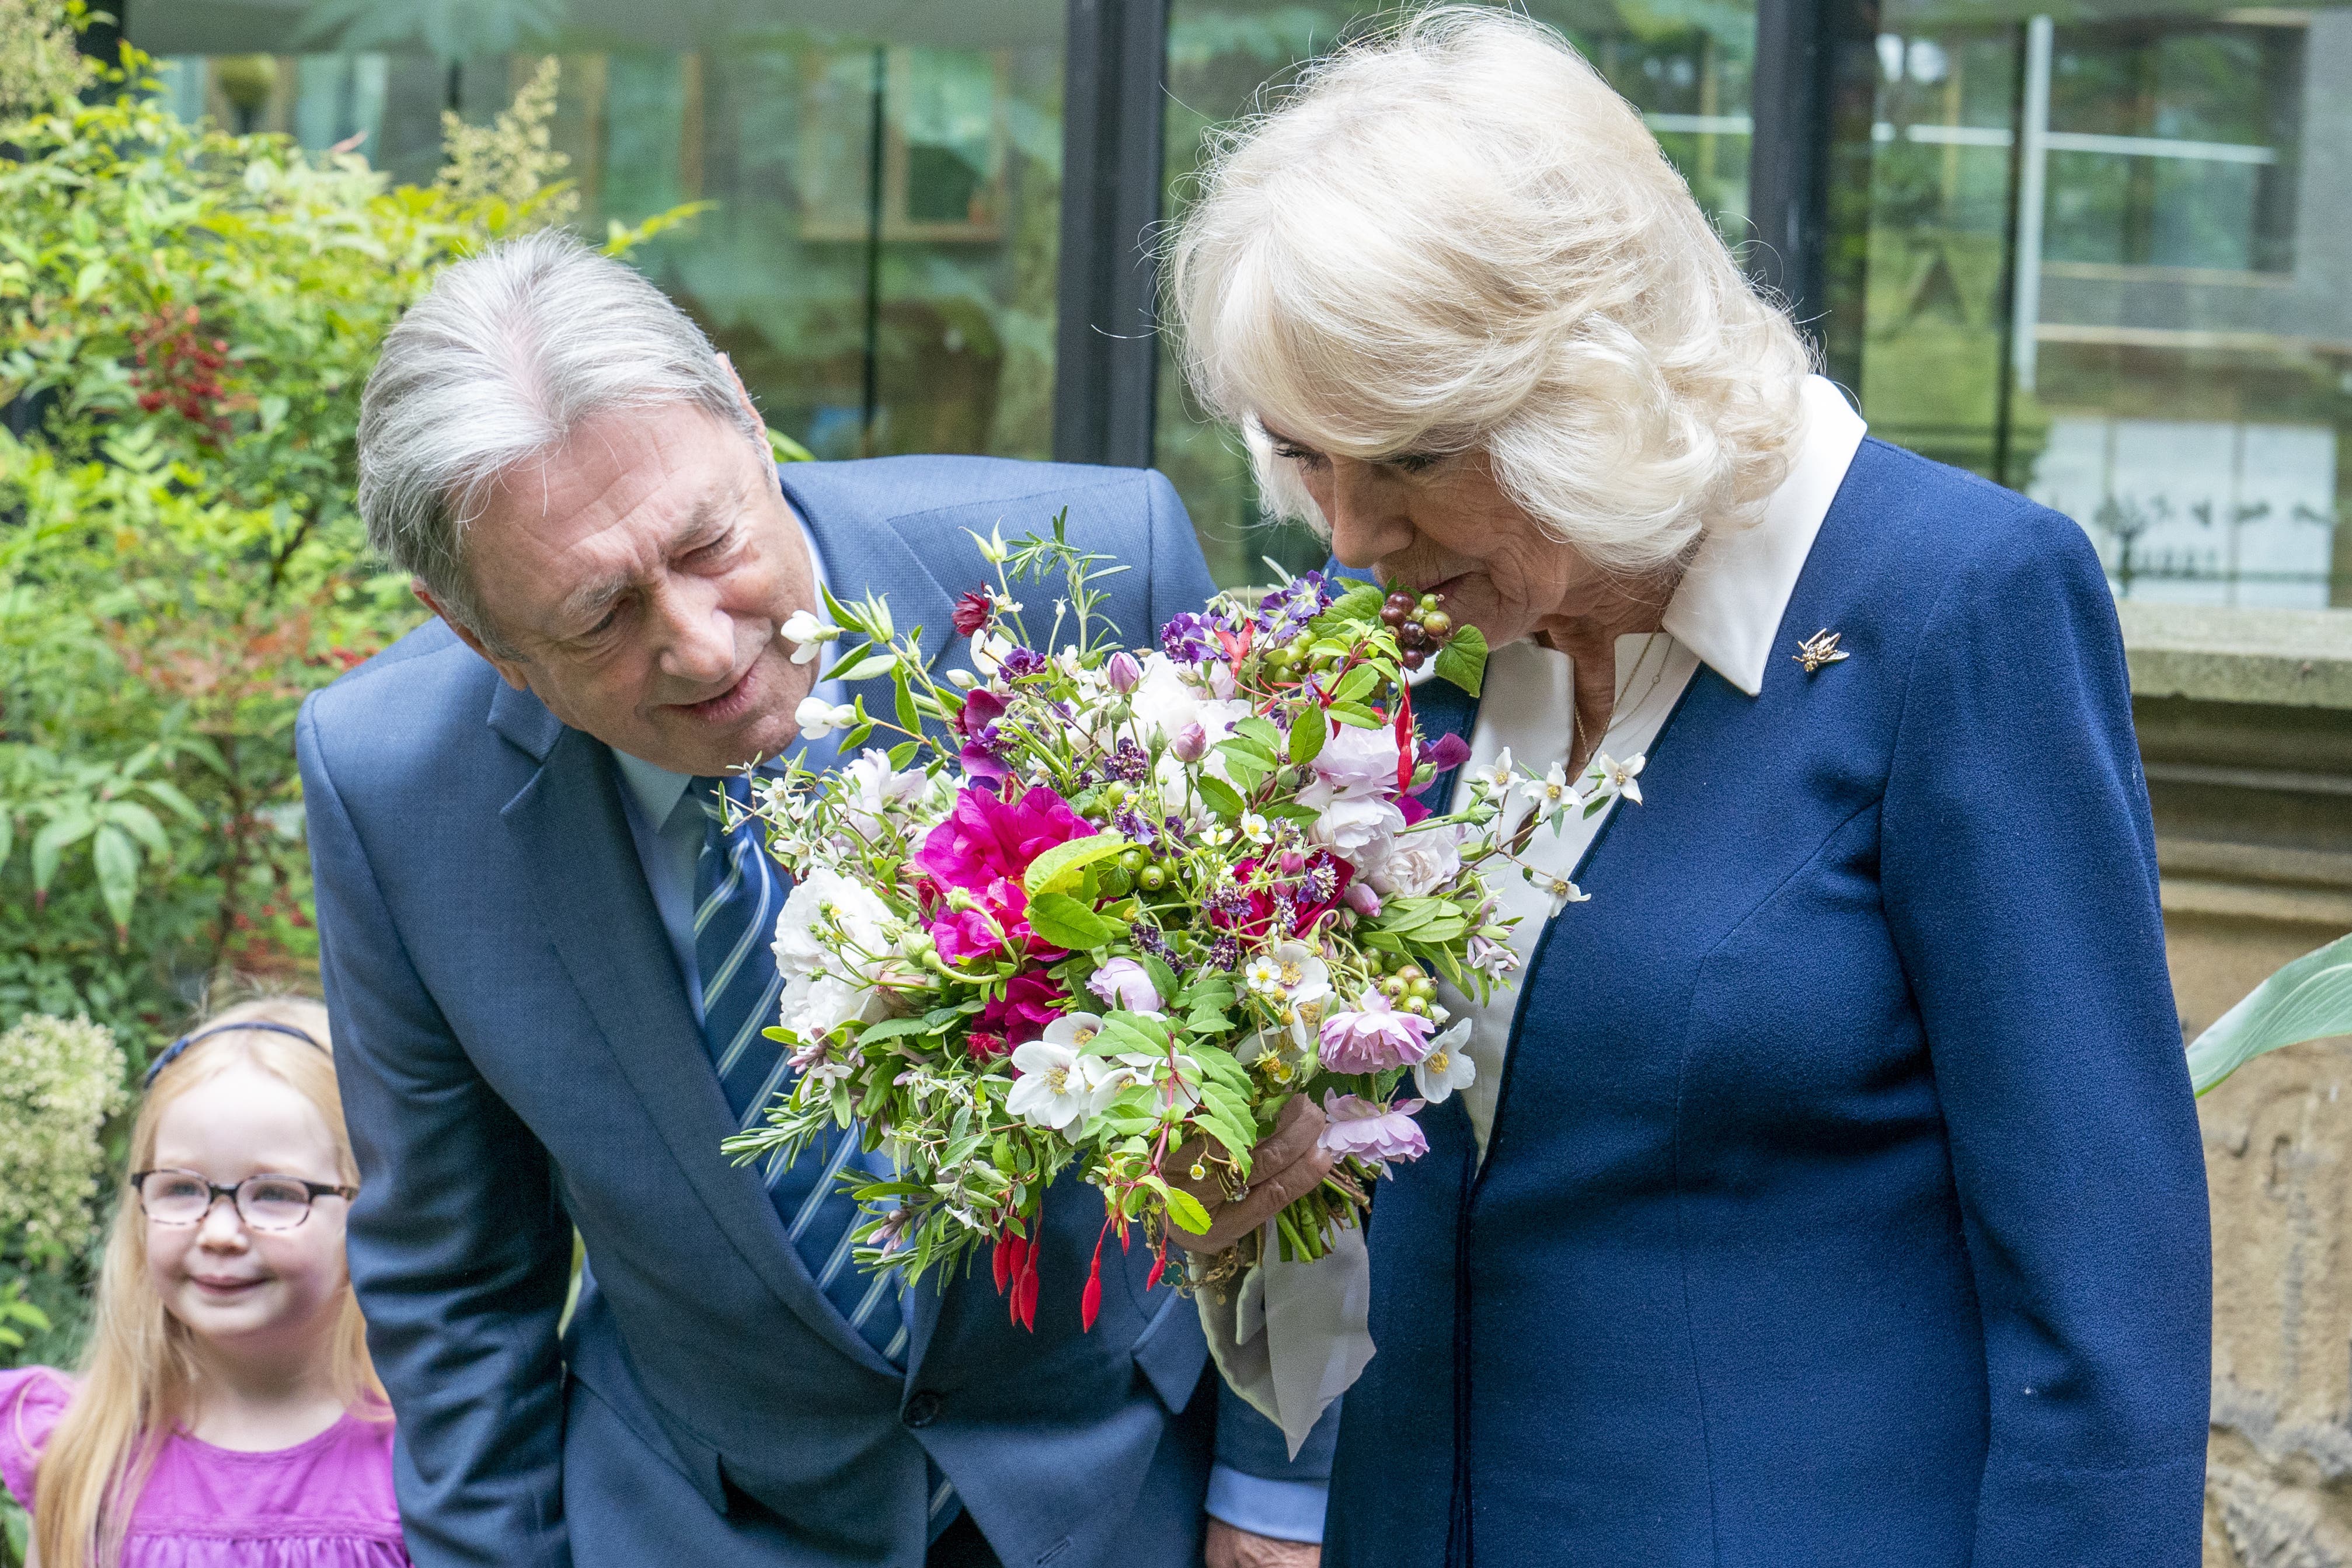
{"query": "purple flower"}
[(1188, 639), (1147, 937), (1192, 742), (1022, 661), (1129, 761), (1451, 752), (1133, 825), (1125, 673), (1354, 1125), (981, 708), (1125, 983), (1366, 902), (1283, 613), (1225, 953), (1373, 1037)]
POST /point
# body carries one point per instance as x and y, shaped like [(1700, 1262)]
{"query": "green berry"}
[(1152, 879)]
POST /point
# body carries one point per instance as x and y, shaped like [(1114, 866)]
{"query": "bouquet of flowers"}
[(1114, 909)]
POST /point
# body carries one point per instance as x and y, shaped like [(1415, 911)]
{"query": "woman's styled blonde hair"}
[(138, 1375), (1454, 236)]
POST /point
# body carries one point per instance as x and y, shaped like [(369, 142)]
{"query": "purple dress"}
[(325, 1504)]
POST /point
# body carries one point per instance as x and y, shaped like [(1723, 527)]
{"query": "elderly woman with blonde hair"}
[(1829, 1187)]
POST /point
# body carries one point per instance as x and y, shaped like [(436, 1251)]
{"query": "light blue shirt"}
[(667, 829)]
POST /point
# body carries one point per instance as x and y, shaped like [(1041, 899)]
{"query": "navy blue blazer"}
[(519, 1057), (1844, 1203)]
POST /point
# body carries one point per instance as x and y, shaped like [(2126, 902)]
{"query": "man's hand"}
[(1232, 1548), (1287, 1165)]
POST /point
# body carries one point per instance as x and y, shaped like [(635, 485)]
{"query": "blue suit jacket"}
[(1844, 1203), (519, 1057)]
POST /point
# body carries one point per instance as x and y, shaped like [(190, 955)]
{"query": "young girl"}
[(226, 1415)]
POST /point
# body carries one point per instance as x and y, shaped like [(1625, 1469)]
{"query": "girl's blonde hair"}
[(1454, 236), (138, 1375)]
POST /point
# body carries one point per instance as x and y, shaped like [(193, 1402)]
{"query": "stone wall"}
[(2245, 722)]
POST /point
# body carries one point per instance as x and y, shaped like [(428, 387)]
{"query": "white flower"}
[(1263, 972), (1165, 703), (1351, 826), (1414, 865), (1613, 777), (1447, 1066), (1057, 1088), (1352, 764), (1254, 828), (963, 679), (1074, 1029), (1293, 1062), (876, 791), (1564, 893), (988, 650), (1551, 793), (1495, 777), (817, 718), (831, 944), (808, 635)]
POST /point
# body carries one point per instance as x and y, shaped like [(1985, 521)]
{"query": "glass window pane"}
[(880, 252), (2103, 269), (1686, 69)]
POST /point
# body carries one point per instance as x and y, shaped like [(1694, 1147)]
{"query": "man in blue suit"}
[(548, 965)]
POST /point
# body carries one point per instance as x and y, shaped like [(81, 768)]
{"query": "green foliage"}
[(2310, 999), (38, 60), (187, 318)]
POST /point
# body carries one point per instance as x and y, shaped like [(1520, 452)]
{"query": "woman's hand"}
[(1289, 1164)]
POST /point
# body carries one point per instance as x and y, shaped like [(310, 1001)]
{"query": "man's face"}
[(637, 577)]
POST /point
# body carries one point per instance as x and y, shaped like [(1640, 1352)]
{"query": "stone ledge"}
[(2300, 658)]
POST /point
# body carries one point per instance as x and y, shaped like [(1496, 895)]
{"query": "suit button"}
[(922, 1409)]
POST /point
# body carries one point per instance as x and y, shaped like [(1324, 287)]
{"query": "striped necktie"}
[(737, 894)]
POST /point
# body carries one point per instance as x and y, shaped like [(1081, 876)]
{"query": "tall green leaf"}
[(2310, 999)]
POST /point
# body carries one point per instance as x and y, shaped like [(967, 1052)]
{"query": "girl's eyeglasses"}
[(264, 1203)]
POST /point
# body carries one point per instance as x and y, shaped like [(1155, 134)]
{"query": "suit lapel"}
[(865, 554), (570, 829)]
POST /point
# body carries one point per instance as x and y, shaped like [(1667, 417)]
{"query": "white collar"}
[(1728, 605), (657, 789)]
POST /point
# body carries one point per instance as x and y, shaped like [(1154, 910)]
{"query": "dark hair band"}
[(172, 1052)]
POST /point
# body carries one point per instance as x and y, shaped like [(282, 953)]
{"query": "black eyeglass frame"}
[(215, 1192)]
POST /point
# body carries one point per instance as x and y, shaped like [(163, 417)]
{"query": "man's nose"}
[(1367, 526), (698, 634)]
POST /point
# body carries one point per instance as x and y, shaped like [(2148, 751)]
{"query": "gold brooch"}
[(1819, 650)]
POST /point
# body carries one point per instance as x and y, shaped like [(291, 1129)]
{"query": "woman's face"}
[(241, 1292), (1442, 525)]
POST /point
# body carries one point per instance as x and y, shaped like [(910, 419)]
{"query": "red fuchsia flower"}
[(983, 849), (973, 611), (1369, 1130), (1020, 1013), (1372, 1037)]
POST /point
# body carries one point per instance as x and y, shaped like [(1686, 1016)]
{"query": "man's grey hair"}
[(506, 355)]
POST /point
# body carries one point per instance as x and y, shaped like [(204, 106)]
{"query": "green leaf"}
[(1060, 869), (1355, 684), (8, 836), (50, 844), (1268, 738), (891, 1028), (904, 753), (1356, 714), (1463, 659), (118, 871), (909, 720), (1185, 1210), (1220, 797), (140, 823), (2310, 999), (1163, 979), (865, 668), (1307, 733), (1063, 920), (1360, 603)]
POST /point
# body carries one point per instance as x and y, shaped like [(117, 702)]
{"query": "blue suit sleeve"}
[(1179, 575), (1255, 1485), (458, 1247), (2019, 873)]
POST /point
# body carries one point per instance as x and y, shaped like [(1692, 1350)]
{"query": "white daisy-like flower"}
[(1447, 1066), (1255, 828), (1057, 1087), (1610, 776), (1564, 893), (1496, 778), (1264, 973), (1552, 793)]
